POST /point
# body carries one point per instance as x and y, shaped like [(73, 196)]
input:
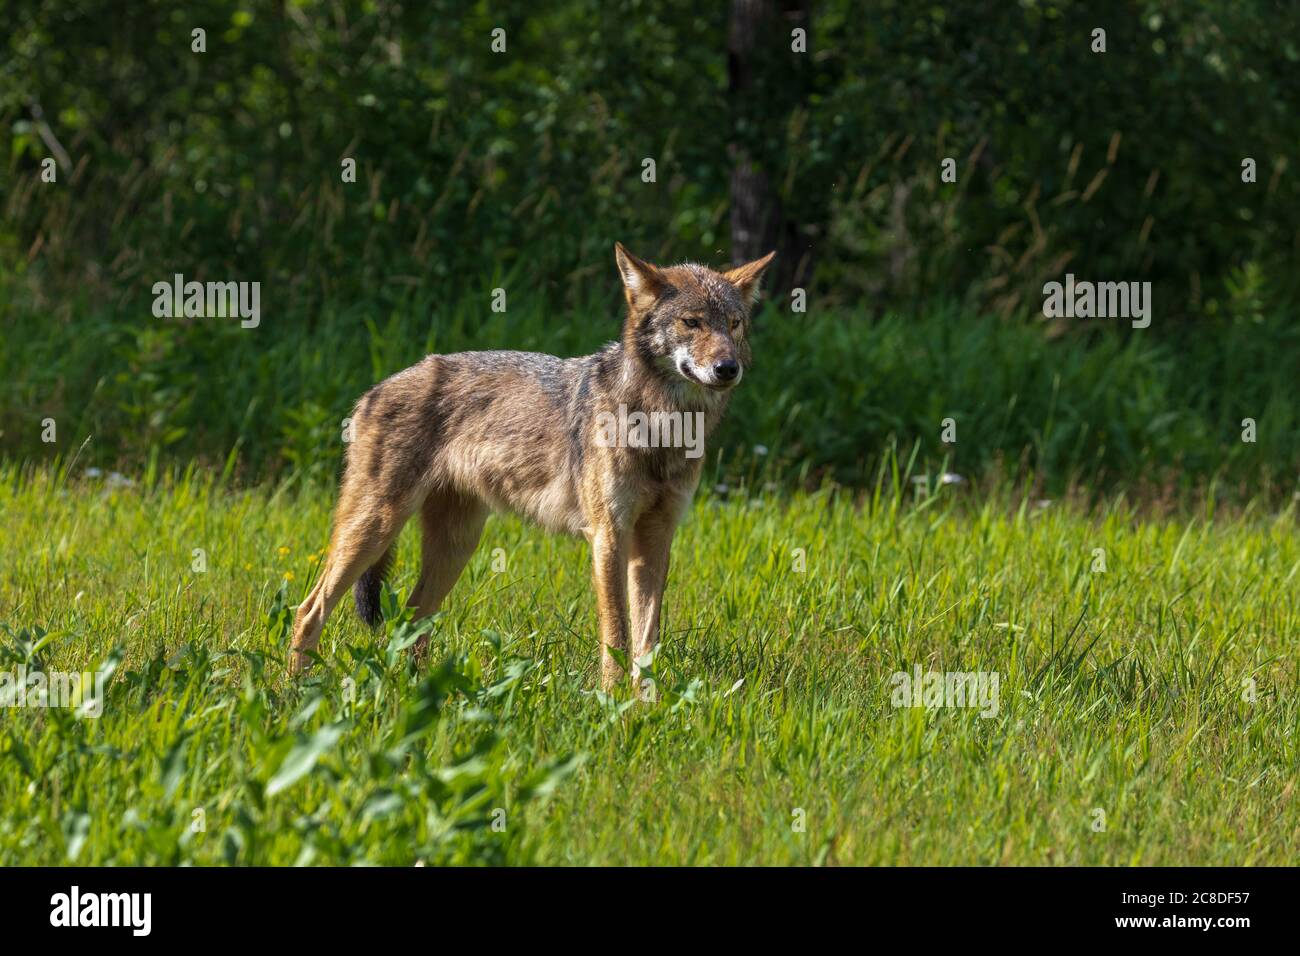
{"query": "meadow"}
[(1147, 662), (923, 471)]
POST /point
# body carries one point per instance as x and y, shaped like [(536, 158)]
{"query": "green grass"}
[(1120, 691)]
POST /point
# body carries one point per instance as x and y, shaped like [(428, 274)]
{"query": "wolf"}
[(455, 437)]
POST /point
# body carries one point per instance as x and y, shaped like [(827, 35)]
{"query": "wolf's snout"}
[(727, 370)]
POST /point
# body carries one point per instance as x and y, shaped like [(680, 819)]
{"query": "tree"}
[(764, 88)]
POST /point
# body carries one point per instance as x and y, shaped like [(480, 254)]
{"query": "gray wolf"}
[(454, 437)]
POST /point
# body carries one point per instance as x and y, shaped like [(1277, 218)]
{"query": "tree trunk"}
[(750, 201), (759, 223)]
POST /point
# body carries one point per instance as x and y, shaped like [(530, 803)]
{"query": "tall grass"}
[(830, 392)]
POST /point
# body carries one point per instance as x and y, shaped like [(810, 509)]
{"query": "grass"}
[(1126, 732)]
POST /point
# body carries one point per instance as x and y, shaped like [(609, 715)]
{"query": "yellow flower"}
[(248, 567), (312, 558), (288, 575), (283, 550)]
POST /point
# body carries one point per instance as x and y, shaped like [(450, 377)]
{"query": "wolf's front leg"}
[(647, 573), (609, 572)]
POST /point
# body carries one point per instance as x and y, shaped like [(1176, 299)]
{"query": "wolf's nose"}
[(726, 371)]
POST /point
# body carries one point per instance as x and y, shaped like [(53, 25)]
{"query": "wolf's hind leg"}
[(361, 538), (450, 527)]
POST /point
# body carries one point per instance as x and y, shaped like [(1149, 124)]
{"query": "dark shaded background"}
[(519, 169)]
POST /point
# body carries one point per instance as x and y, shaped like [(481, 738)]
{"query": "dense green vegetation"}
[(528, 162), (829, 393), (516, 169)]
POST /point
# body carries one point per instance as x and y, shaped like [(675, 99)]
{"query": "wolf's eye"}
[(691, 323), (735, 324)]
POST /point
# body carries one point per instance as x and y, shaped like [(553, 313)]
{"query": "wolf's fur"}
[(456, 436)]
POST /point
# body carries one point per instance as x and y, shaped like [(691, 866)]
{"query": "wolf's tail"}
[(366, 590)]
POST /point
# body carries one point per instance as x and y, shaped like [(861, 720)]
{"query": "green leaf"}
[(304, 756)]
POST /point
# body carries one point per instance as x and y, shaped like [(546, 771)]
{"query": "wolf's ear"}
[(745, 278), (642, 282)]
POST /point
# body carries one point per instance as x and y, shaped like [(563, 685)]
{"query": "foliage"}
[(227, 164), (829, 395)]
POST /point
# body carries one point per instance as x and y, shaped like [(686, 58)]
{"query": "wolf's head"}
[(689, 321)]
